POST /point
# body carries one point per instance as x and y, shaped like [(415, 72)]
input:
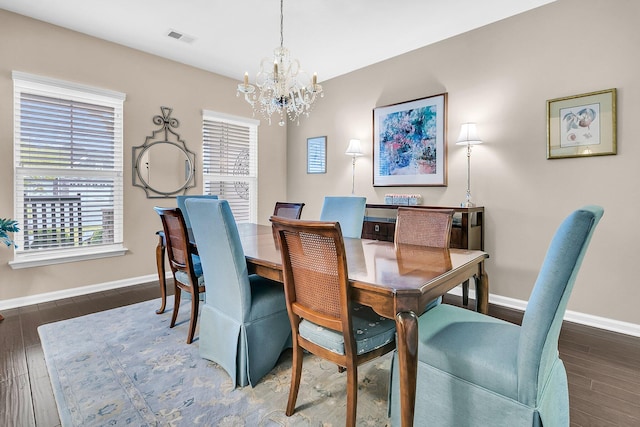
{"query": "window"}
[(68, 171), (230, 162)]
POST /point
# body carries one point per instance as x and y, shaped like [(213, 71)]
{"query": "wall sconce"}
[(468, 136), (354, 151)]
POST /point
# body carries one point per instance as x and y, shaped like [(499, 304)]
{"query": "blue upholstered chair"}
[(348, 211), (181, 199), (243, 323), (475, 370)]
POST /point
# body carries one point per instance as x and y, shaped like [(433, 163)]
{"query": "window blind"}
[(317, 155), (68, 166), (230, 165)]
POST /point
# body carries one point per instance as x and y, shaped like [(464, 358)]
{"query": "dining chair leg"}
[(176, 305), (352, 395), (194, 317), (160, 249), (296, 372)]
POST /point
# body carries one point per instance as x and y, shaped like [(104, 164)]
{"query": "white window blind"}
[(68, 169), (230, 162)]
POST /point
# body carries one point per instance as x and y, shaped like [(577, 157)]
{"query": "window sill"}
[(38, 259)]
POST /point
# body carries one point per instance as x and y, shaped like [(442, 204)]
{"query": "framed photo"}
[(582, 125), (409, 143), (317, 154)]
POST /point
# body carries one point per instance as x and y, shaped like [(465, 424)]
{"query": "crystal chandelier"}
[(281, 86)]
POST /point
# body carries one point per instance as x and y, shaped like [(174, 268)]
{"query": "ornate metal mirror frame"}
[(163, 166)]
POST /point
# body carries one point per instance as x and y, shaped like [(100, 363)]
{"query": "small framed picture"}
[(582, 125), (317, 154), (409, 143)]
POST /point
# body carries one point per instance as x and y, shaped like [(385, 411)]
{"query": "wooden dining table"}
[(397, 281)]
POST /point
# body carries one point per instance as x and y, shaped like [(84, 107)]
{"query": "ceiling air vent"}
[(180, 36)]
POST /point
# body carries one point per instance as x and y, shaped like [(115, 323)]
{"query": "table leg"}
[(407, 345), (465, 293), (161, 278), (482, 290)]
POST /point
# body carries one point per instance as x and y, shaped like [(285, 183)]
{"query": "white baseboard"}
[(82, 290), (570, 316)]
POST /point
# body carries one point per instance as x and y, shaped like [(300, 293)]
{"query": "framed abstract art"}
[(409, 143)]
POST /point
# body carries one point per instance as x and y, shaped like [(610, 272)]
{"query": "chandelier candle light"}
[(468, 136), (353, 150), (281, 86)]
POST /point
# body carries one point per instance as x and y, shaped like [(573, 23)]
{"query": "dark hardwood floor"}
[(603, 367)]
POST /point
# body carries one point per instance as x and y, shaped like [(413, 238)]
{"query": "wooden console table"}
[(467, 231)]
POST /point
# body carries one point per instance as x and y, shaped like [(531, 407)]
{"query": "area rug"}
[(126, 367)]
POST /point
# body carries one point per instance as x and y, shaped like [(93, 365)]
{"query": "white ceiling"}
[(330, 37)]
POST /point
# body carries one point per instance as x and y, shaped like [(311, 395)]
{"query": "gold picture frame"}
[(582, 125)]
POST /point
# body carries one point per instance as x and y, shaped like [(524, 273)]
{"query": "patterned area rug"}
[(126, 367)]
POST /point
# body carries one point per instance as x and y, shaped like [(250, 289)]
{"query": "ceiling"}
[(330, 37)]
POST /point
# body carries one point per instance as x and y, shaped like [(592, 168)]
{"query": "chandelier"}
[(281, 86)]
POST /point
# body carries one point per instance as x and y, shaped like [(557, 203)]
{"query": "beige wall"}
[(149, 83), (500, 76)]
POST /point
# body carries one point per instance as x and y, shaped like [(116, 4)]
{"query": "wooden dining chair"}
[(187, 276), (288, 210), (426, 227), (324, 320), (180, 200)]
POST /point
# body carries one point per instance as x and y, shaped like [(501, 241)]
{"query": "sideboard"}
[(467, 231)]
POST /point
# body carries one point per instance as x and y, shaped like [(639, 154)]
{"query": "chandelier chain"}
[(281, 24)]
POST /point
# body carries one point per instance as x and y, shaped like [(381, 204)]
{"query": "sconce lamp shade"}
[(468, 135), (354, 148)]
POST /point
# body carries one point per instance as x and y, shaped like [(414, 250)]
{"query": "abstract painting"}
[(409, 146)]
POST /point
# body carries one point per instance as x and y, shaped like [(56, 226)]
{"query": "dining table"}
[(397, 281)]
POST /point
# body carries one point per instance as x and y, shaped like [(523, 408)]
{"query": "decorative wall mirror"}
[(163, 166)]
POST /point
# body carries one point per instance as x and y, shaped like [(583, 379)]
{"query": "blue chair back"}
[(348, 211), (222, 256), (538, 346), (180, 200), (244, 325)]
